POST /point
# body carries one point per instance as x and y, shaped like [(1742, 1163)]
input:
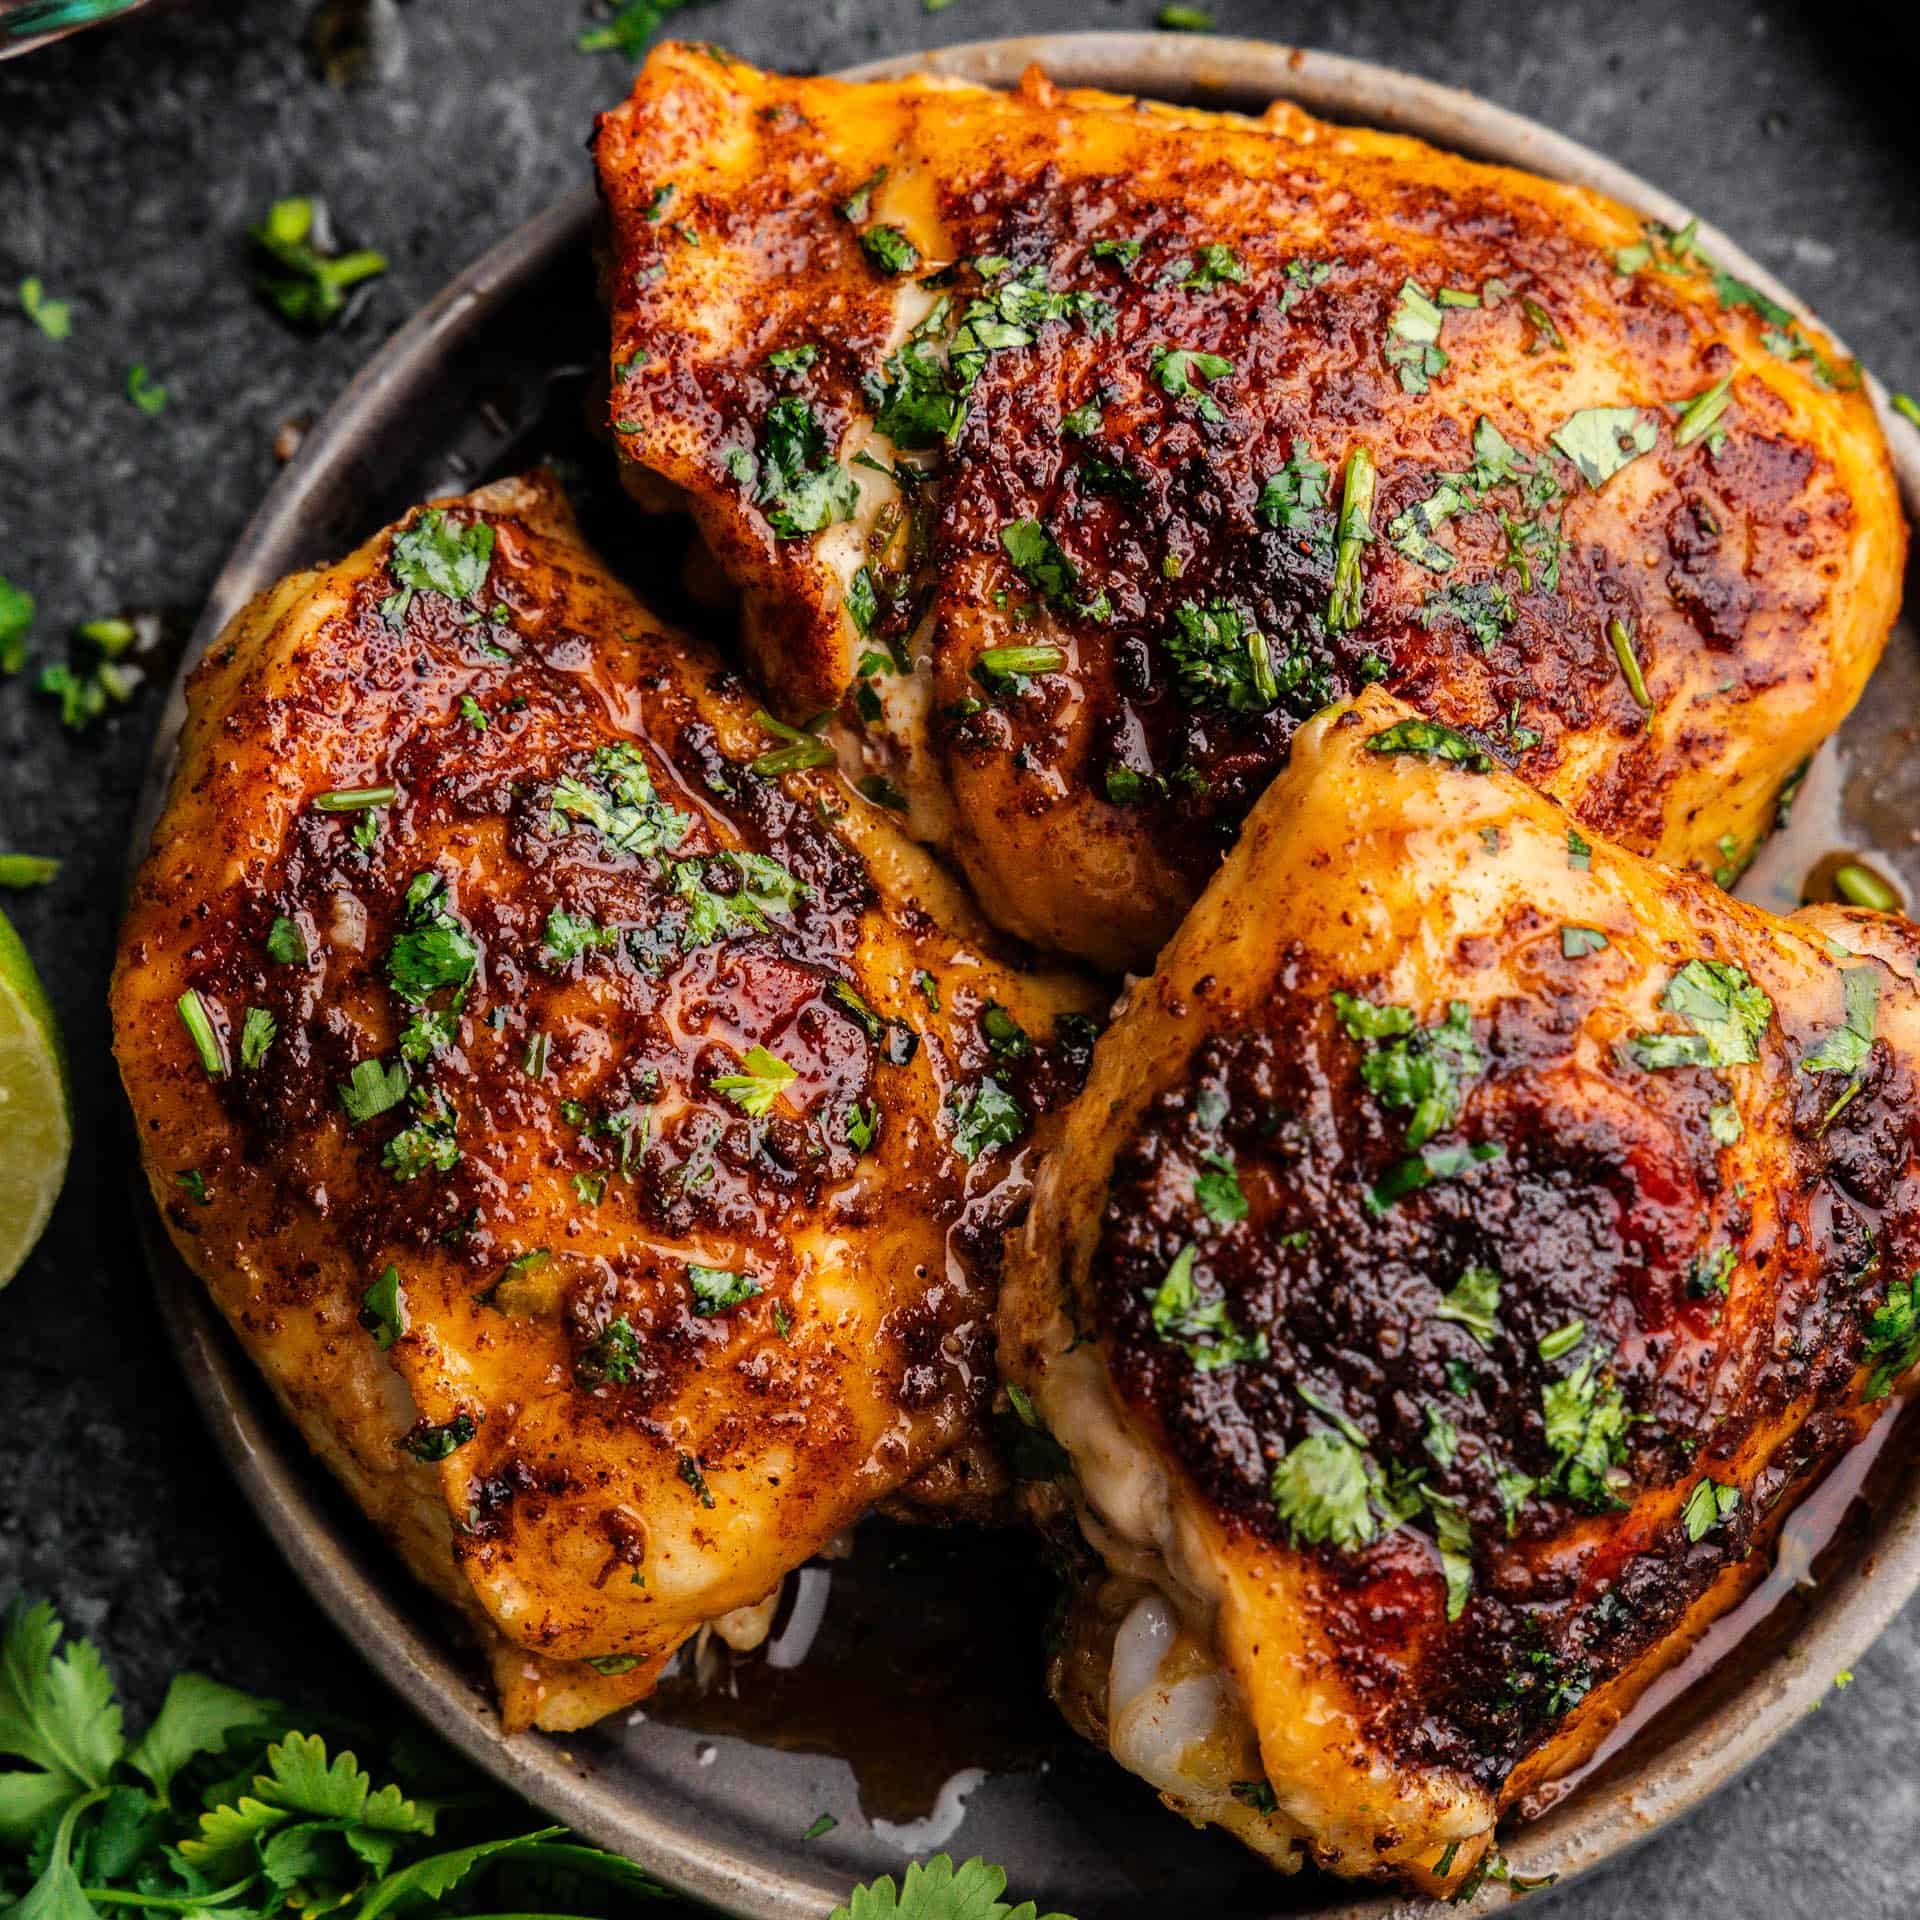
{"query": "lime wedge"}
[(36, 1123)]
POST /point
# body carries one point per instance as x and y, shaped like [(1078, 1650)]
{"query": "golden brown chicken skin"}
[(1470, 1244), (602, 1135), (1080, 448)]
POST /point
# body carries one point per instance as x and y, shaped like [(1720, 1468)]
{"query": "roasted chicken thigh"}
[(1076, 449), (598, 1123), (1470, 1244)]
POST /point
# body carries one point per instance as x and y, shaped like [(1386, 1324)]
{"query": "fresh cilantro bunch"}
[(224, 1810), (938, 1890)]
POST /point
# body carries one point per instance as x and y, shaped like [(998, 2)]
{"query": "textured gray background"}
[(130, 164)]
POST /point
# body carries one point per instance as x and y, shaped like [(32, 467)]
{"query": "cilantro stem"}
[(200, 1030), (354, 799), (1862, 887), (1356, 529), (171, 1903), (804, 748), (1702, 413), (1622, 637)]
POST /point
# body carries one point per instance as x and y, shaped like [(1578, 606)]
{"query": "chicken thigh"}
[(1470, 1244), (598, 1123), (1077, 449)]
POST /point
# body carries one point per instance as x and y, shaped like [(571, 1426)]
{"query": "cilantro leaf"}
[(985, 1116), (1845, 1049), (1433, 741), (196, 1717), (1425, 1069), (1726, 1011), (1473, 1302), (1218, 1190), (16, 621), (371, 1089), (802, 488), (1413, 347), (1220, 659), (438, 555), (1322, 1492), (937, 1890), (1601, 441), (1707, 1505), (890, 250), (1893, 1337), (717, 1289), (1586, 1422), (619, 802), (611, 1358), (756, 1088), (383, 1309), (1183, 372), (1204, 1330), (57, 1712)]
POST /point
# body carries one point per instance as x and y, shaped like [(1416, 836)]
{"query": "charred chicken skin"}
[(1077, 449), (598, 1123), (1470, 1244)]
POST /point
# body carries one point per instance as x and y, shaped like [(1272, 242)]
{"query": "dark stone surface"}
[(130, 164)]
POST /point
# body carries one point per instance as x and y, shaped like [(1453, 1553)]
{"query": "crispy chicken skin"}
[(1469, 1245), (609, 1146), (1156, 351)]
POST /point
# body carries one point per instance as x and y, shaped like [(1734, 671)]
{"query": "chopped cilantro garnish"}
[(1345, 602), (1126, 252), (803, 748), (1004, 670), (1426, 1069), (200, 1030), (793, 359), (1893, 1337), (890, 250), (383, 1309), (985, 1116), (18, 871), (16, 622), (863, 1125), (1562, 1340), (756, 1088), (859, 203), (371, 1089), (1220, 659), (145, 391), (1413, 347), (824, 1823), (881, 791), (1293, 499), (1620, 635), (1576, 942), (1579, 853), (691, 1474), (1432, 741), (802, 488), (1586, 1430), (1707, 1505), (1726, 1011), (620, 804), (1218, 1189), (1473, 1302), (1184, 20), (1440, 1438), (1424, 1169), (1700, 416), (1484, 607), (309, 278), (1845, 1050), (611, 1358), (354, 799), (257, 1034), (195, 1184), (1601, 441), (1713, 1274), (1213, 265), (1256, 1794), (53, 317), (567, 936), (1725, 1124), (433, 950), (718, 1289), (1177, 369), (437, 555), (1204, 1330), (426, 1144), (436, 1443), (1038, 560), (1322, 1492)]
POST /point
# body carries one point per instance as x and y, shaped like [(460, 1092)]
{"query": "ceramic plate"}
[(901, 1693)]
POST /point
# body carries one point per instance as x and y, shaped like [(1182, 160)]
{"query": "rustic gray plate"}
[(916, 1719)]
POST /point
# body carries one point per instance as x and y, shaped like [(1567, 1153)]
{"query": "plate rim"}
[(357, 1581)]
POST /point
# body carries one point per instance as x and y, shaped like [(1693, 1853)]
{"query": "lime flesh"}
[(36, 1125)]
